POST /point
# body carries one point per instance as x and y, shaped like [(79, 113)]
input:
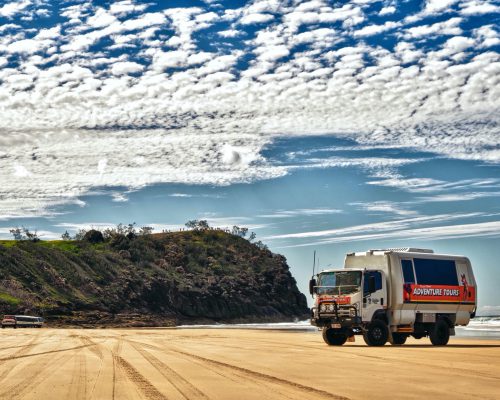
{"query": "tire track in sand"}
[(34, 373), (264, 377), (18, 354), (183, 386), (95, 349), (146, 387), (234, 376)]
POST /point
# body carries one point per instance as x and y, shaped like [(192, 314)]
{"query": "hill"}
[(154, 279)]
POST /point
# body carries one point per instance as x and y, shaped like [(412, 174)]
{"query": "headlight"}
[(326, 308)]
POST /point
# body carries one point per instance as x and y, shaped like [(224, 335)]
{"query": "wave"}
[(484, 324), (479, 326)]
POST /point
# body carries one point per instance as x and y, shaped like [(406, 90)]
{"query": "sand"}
[(237, 364)]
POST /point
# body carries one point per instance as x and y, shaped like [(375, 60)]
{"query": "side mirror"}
[(312, 284), (371, 284)]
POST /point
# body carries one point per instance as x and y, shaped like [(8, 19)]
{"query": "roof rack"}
[(405, 250)]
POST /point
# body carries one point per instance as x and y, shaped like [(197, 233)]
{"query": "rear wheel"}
[(376, 334), (334, 337), (440, 333), (398, 338)]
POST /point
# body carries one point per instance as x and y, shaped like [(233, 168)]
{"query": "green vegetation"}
[(194, 275), (7, 298)]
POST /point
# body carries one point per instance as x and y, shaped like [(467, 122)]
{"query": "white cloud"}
[(387, 10), (476, 7), (15, 7), (435, 6), (180, 195), (306, 72), (119, 197), (230, 33), (459, 43), (126, 7), (126, 67), (371, 30), (100, 19), (20, 171), (481, 229), (256, 19), (386, 207), (301, 212), (448, 27), (394, 226)]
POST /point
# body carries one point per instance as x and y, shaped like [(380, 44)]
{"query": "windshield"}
[(339, 282)]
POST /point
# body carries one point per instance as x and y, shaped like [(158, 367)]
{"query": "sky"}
[(333, 126)]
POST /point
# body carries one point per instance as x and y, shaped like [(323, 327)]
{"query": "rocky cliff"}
[(154, 279)]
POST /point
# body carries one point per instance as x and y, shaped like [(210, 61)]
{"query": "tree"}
[(24, 233), (252, 236), (192, 224), (31, 236), (145, 230), (94, 236), (80, 234), (66, 236), (261, 245), (237, 231), (198, 225), (17, 233), (203, 224)]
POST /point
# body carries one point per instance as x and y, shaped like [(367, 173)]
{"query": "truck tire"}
[(398, 338), (440, 333), (334, 337), (377, 333)]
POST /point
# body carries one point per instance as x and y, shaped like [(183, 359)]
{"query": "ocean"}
[(479, 327)]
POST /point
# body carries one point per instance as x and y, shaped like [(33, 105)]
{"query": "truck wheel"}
[(334, 337), (398, 338), (440, 333), (377, 333)]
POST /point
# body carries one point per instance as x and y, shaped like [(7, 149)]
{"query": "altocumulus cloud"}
[(193, 94)]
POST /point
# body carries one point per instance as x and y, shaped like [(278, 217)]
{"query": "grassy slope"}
[(189, 275)]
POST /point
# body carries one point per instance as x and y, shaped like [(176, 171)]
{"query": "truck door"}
[(374, 293)]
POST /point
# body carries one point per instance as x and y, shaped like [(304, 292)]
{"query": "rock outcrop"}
[(160, 279)]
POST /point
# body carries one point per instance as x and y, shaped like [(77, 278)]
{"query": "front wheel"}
[(334, 337), (440, 333), (376, 334), (398, 339)]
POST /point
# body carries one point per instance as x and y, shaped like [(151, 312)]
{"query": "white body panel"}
[(404, 305)]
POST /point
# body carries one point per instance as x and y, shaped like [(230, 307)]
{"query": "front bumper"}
[(340, 316)]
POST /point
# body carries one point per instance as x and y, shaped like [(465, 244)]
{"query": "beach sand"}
[(238, 364)]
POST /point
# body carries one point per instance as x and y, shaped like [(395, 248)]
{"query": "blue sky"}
[(328, 126)]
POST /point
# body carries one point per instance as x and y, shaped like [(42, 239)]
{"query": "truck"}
[(391, 294)]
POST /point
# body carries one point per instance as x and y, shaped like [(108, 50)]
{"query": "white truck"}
[(391, 294)]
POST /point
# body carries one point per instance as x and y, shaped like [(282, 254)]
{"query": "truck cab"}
[(346, 300)]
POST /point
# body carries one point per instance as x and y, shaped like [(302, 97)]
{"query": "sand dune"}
[(237, 364)]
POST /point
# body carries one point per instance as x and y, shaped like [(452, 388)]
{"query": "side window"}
[(378, 281), (408, 275), (435, 272)]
